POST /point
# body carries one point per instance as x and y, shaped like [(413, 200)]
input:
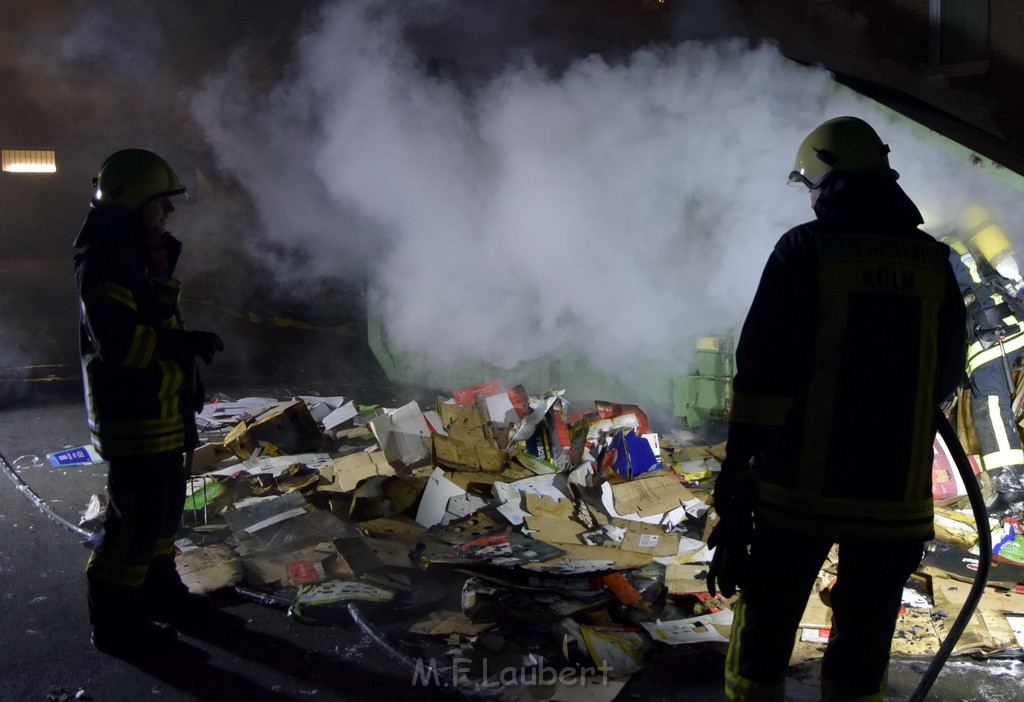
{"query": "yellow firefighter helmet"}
[(988, 239), (839, 145), (130, 178)]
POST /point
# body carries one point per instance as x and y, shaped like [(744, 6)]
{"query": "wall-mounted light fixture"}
[(29, 160)]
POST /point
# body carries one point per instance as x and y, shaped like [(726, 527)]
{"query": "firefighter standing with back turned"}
[(990, 282), (854, 337), (141, 390)]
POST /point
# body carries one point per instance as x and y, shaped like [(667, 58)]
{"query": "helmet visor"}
[(797, 180)]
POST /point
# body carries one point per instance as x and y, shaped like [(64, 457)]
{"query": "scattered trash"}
[(517, 534)]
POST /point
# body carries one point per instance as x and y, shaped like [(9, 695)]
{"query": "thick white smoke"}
[(614, 210), (505, 202)]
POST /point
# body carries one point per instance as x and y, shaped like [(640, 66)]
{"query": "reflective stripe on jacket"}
[(139, 388)]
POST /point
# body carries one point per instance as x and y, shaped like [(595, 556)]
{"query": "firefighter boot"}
[(833, 692), (1008, 491), (120, 627), (1010, 483), (169, 600)]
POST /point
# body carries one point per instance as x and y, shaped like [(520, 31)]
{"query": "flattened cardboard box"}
[(468, 528), (1001, 631), (915, 633), (209, 568), (347, 472), (460, 454), (956, 591), (367, 554), (684, 578), (445, 623), (649, 538), (395, 527), (975, 636), (591, 559), (314, 563), (465, 423), (646, 496), (551, 520), (474, 481), (204, 456)]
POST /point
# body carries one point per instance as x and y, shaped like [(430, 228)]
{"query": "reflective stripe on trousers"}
[(996, 431)]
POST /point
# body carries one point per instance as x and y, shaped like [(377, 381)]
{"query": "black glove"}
[(734, 487), (202, 344), (731, 562), (734, 503)]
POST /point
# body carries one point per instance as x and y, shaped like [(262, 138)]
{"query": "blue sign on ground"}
[(78, 456)]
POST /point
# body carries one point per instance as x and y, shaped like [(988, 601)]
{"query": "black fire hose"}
[(984, 558), (23, 487)]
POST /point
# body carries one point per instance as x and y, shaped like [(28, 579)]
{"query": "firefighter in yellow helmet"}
[(142, 390), (990, 281), (854, 337)]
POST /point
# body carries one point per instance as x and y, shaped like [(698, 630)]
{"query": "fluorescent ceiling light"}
[(29, 160)]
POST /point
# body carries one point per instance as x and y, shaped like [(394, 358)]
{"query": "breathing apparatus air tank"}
[(990, 241)]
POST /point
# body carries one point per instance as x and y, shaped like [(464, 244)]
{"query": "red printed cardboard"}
[(305, 572), (467, 396), (609, 410), (947, 484)]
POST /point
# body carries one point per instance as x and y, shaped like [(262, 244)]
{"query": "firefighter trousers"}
[(992, 415), (146, 496), (865, 602)]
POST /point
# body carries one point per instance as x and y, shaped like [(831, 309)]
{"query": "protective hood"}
[(109, 226), (866, 200), (116, 233)]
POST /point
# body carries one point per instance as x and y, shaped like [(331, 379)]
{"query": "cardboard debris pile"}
[(517, 532)]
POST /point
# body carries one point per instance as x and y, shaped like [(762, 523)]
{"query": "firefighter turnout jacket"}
[(855, 335), (995, 338), (141, 387)]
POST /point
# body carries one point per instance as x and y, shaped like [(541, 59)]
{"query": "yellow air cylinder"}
[(989, 240)]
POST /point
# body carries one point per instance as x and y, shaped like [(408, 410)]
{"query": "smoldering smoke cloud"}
[(606, 208), (613, 210)]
